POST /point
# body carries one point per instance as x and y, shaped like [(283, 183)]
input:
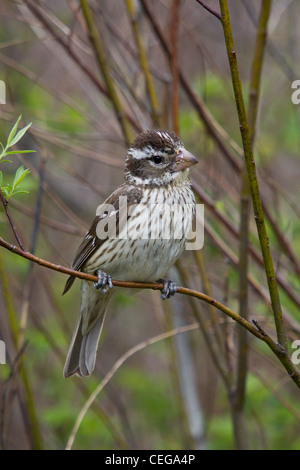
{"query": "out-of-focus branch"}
[(36, 11), (239, 422), (103, 64), (257, 63), (132, 14), (174, 64), (213, 12), (13, 227), (211, 342), (54, 224), (240, 430), (48, 86), (207, 288), (33, 429)]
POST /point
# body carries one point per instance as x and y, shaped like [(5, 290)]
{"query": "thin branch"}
[(29, 410), (174, 64), (13, 227), (213, 12), (238, 402), (75, 57), (5, 408), (40, 81), (102, 62), (132, 14), (203, 271), (257, 63), (27, 289), (134, 285), (211, 342), (55, 225), (276, 348)]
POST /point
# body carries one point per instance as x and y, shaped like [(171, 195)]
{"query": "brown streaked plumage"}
[(156, 172)]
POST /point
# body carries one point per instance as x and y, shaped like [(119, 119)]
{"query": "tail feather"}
[(83, 349), (69, 284)]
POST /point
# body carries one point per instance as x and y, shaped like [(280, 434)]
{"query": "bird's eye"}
[(156, 159)]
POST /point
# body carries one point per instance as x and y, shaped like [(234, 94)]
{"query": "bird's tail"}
[(83, 349)]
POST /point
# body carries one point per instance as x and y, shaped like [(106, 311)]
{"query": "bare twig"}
[(174, 63), (13, 227), (134, 285), (54, 224), (213, 12), (277, 349)]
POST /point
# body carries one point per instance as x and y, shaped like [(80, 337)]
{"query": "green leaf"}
[(19, 135), (7, 161), (19, 172), (19, 191), (15, 152), (13, 131), (20, 175), (3, 151), (14, 136), (5, 192)]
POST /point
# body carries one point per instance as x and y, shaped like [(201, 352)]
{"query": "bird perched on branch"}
[(150, 216)]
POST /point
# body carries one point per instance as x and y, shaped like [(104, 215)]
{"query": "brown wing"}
[(92, 242)]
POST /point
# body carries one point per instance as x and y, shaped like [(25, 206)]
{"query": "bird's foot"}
[(170, 288), (104, 281)]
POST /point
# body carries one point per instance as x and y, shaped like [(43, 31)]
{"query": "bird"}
[(159, 198)]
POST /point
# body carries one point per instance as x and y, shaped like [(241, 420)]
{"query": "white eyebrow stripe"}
[(140, 154), (163, 135), (146, 153)]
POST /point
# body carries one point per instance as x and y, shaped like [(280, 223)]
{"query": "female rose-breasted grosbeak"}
[(156, 175)]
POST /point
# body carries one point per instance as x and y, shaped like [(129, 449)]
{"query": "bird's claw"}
[(169, 289), (104, 281)]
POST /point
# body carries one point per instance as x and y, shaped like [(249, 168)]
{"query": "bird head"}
[(158, 158)]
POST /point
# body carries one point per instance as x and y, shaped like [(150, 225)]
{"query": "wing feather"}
[(92, 242)]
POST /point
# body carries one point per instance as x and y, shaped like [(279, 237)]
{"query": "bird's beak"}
[(184, 160)]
